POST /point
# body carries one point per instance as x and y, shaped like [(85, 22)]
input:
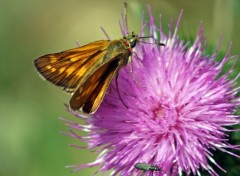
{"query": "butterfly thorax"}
[(118, 50)]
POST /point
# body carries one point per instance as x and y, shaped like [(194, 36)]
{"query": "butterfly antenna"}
[(78, 44), (160, 44), (116, 80), (146, 37), (125, 16), (105, 33)]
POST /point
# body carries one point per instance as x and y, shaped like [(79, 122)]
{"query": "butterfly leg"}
[(137, 57), (116, 80), (131, 71)]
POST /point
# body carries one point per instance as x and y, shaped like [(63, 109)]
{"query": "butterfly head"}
[(131, 39)]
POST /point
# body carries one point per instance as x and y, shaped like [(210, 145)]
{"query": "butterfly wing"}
[(91, 93), (71, 68), (87, 71)]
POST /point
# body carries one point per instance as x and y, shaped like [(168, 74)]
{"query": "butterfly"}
[(87, 71)]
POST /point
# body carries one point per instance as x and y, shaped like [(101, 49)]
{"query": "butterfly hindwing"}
[(90, 97)]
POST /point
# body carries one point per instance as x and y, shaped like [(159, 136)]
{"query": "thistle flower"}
[(179, 110)]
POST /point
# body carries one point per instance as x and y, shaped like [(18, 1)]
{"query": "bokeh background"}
[(30, 143)]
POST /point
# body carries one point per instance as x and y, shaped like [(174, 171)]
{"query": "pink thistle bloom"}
[(175, 121)]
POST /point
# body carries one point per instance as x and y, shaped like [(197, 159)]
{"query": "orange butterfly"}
[(87, 71)]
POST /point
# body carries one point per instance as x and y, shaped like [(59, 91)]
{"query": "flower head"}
[(179, 110)]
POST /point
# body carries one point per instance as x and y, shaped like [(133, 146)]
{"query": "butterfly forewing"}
[(70, 68)]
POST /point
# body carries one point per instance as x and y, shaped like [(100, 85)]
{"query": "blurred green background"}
[(29, 128)]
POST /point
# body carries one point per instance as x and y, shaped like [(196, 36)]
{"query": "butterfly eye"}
[(133, 43)]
